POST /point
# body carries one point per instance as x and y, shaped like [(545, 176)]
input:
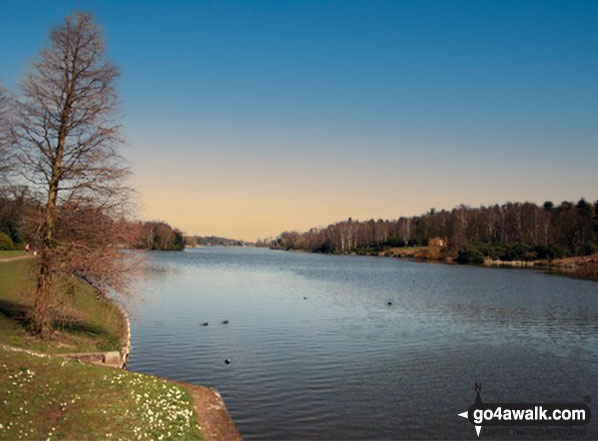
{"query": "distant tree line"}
[(215, 241), (511, 231), (159, 236), (18, 208)]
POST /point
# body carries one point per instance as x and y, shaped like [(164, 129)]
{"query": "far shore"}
[(585, 267)]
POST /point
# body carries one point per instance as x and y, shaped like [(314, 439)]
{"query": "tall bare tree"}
[(67, 136)]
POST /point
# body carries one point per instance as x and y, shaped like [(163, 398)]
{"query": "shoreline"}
[(581, 267), (211, 411), (205, 403), (114, 359)]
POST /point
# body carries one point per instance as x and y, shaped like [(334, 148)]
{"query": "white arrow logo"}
[(465, 414)]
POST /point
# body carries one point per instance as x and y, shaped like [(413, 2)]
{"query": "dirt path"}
[(11, 259)]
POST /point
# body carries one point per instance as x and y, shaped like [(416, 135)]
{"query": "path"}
[(11, 259)]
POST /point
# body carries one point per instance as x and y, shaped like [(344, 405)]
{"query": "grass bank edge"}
[(87, 323)]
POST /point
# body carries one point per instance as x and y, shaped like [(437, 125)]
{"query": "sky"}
[(247, 118)]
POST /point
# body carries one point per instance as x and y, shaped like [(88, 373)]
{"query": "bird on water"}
[(225, 322), (204, 324)]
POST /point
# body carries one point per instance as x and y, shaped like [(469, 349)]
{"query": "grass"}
[(87, 324), (12, 253), (409, 249), (51, 398)]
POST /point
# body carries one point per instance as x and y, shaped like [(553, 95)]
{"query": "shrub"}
[(324, 248), (470, 254), (394, 242), (6, 242), (587, 248), (493, 250), (549, 252), (518, 251)]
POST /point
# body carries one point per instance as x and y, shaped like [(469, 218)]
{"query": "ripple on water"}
[(343, 364)]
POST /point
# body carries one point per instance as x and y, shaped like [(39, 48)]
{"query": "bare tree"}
[(67, 137)]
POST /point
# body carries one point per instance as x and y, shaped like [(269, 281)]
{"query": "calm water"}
[(342, 364)]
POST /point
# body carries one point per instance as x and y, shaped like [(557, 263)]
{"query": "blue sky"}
[(276, 115)]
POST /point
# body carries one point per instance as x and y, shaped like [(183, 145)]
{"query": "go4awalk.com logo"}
[(526, 414)]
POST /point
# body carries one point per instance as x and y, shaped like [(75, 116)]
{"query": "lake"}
[(317, 353)]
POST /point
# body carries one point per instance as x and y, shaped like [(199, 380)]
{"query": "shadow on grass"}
[(15, 311), (76, 327), (20, 314)]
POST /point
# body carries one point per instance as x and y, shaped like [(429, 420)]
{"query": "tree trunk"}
[(41, 318)]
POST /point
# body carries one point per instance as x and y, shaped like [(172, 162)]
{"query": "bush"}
[(324, 248), (394, 242), (518, 251), (470, 254), (6, 242), (493, 250), (476, 252), (587, 248), (549, 252)]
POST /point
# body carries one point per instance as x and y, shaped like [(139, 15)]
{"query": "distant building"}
[(440, 242)]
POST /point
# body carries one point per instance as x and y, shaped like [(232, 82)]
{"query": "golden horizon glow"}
[(252, 195)]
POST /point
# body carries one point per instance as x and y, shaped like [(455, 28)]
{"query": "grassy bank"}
[(85, 323), (411, 252), (43, 397), (50, 398)]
